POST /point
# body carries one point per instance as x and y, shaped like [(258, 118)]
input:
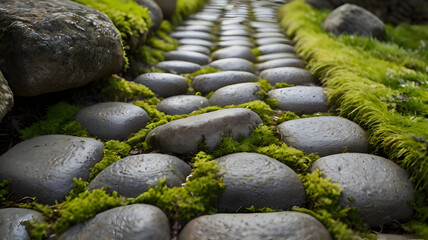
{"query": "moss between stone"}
[(118, 89)]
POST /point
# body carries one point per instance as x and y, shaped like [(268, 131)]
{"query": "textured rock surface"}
[(300, 99), (324, 135), (40, 59), (381, 188), (233, 64), (112, 120), (277, 63), (188, 56), (44, 167), (133, 175), (235, 94), (182, 104), (278, 225), (163, 84), (206, 83), (138, 221), (179, 67), (184, 135), (234, 52), (289, 75), (276, 48), (6, 97), (11, 222)]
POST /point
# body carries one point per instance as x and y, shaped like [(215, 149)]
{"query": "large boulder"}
[(53, 45), (6, 97)]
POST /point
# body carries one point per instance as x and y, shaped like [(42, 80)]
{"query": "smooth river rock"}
[(179, 67), (12, 222), (188, 56), (182, 104), (269, 34), (324, 135), (196, 41), (289, 75), (155, 12), (206, 83), (112, 120), (233, 64), (184, 135), (276, 48), (163, 84), (271, 40), (6, 97), (195, 48), (300, 99), (192, 34), (44, 167), (377, 186), (277, 63), (237, 42), (235, 52), (235, 94), (197, 28), (273, 56), (237, 226)]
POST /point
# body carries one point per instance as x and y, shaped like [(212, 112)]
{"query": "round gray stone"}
[(289, 75), (199, 28), (134, 175), (184, 135), (234, 38), (235, 226), (195, 41), (155, 12), (233, 64), (269, 29), (12, 222), (276, 48), (257, 25), (206, 16), (380, 188), (137, 221), (194, 48), (257, 180), (235, 32), (193, 22), (206, 83), (112, 120), (271, 40), (235, 94), (276, 63), (324, 135), (179, 67), (269, 34), (194, 57), (192, 34), (235, 26), (273, 56), (300, 99), (234, 52), (163, 84), (238, 42), (44, 167), (183, 104)]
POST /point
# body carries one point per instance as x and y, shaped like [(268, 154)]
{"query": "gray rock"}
[(235, 32), (206, 83), (235, 226), (112, 120), (273, 56), (233, 64), (137, 221), (179, 67), (352, 19), (183, 104), (6, 97), (277, 63), (234, 38), (155, 12), (198, 22), (272, 40), (41, 59), (324, 135), (44, 167), (235, 94), (269, 34), (192, 34), (184, 135), (269, 29), (135, 174), (229, 43), (234, 52), (206, 16), (235, 26), (198, 28), (300, 99), (276, 48), (12, 222), (258, 25), (195, 41), (168, 7), (377, 186), (289, 75), (194, 57), (163, 84), (257, 180), (194, 48)]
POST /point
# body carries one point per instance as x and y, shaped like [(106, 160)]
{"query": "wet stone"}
[(193, 57), (184, 135), (289, 75), (234, 52), (235, 32), (194, 48), (198, 28), (235, 94), (112, 120), (206, 83), (179, 67), (276, 63), (238, 42), (44, 167), (192, 34), (237, 226), (198, 23), (12, 222), (195, 41), (276, 48), (300, 99), (137, 221), (377, 186), (257, 180), (273, 56), (163, 84), (183, 104), (272, 40), (233, 64), (268, 34), (134, 175), (324, 135)]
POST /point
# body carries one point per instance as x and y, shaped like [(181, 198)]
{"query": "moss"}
[(185, 8), (204, 70), (252, 209), (4, 190), (419, 223), (79, 187), (256, 52), (264, 84), (118, 89), (286, 116), (282, 85), (261, 108), (150, 55)]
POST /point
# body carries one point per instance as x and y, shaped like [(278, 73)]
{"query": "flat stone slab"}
[(238, 42), (300, 99), (163, 84), (235, 52), (182, 104), (257, 180), (184, 135), (135, 174), (376, 185), (276, 63), (324, 135), (237, 226), (233, 64), (44, 167), (273, 56), (188, 56), (12, 222), (276, 48), (137, 221), (195, 41), (206, 83), (235, 94), (195, 48), (271, 40), (112, 120), (289, 75), (179, 67), (192, 34)]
